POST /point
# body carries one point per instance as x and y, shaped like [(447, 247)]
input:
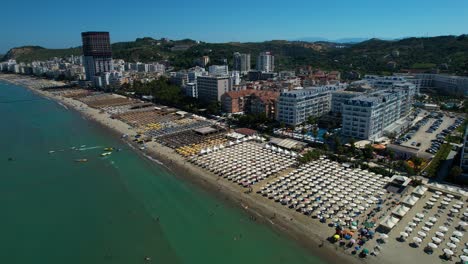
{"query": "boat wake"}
[(113, 164), (88, 148)]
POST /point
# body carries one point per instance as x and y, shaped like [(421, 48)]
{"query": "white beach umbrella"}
[(439, 234), (455, 240), (404, 234), (408, 229), (448, 252), (443, 228), (383, 236), (417, 240), (425, 228), (432, 245), (436, 240), (422, 234), (433, 219), (457, 233), (451, 245), (420, 215), (464, 258)]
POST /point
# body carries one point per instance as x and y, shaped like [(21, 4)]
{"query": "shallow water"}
[(117, 209)]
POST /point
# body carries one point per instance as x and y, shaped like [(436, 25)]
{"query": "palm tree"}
[(315, 133)]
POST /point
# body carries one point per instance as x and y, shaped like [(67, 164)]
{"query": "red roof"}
[(246, 131)]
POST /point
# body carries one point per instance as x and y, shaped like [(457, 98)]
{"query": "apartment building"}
[(250, 101), (241, 62), (339, 98), (210, 88), (296, 106), (266, 62), (444, 83), (367, 116), (218, 70)]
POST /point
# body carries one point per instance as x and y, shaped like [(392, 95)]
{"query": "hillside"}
[(447, 53), (30, 53)]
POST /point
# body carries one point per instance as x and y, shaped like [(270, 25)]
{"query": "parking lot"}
[(429, 132)]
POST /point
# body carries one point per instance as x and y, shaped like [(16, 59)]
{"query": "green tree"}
[(315, 131), (367, 152), (312, 120), (352, 147), (313, 154), (417, 161), (303, 132)]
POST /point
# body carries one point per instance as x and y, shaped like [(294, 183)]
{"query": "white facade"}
[(241, 62), (218, 70), (235, 76), (95, 65), (338, 99), (367, 116), (443, 83), (294, 107), (210, 88), (266, 62), (190, 90), (194, 73)]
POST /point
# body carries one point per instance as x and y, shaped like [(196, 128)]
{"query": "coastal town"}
[(372, 167)]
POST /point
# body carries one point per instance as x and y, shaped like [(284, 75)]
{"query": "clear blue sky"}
[(57, 24)]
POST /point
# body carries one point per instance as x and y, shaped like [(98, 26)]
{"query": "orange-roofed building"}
[(250, 101)]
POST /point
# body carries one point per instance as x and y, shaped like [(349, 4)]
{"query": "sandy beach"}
[(310, 234)]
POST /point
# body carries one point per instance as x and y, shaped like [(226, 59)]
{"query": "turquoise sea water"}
[(55, 210)]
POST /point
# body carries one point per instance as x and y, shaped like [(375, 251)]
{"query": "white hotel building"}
[(367, 116), (294, 107), (444, 83)]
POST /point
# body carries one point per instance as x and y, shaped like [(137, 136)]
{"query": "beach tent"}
[(400, 210), (419, 191), (389, 222), (410, 200)]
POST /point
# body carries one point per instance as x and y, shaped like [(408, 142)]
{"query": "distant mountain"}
[(350, 40), (445, 53), (341, 40), (313, 39)]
